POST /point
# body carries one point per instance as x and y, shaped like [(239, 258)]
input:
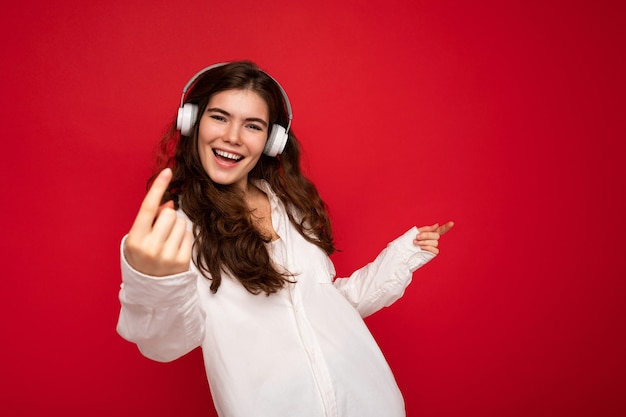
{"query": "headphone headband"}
[(221, 64)]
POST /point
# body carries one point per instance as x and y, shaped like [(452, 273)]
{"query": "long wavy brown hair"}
[(226, 239)]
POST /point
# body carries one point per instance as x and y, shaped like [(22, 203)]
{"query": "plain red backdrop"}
[(507, 117)]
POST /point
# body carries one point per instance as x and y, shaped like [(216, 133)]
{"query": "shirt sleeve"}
[(383, 281), (160, 314)]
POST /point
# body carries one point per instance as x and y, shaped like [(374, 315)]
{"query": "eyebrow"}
[(225, 113)]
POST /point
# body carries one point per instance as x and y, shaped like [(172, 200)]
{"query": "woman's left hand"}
[(428, 237)]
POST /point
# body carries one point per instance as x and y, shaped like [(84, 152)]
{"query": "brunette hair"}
[(225, 237)]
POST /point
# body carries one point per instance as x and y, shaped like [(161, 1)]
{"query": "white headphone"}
[(188, 113)]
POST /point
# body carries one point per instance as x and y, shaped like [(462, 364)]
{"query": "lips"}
[(228, 157)]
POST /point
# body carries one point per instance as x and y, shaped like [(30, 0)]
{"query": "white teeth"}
[(228, 155)]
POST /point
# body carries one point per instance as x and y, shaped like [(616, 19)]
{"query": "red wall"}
[(507, 117)]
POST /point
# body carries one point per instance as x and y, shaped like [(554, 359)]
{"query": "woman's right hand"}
[(158, 243)]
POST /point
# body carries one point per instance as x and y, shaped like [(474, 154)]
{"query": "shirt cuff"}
[(145, 289), (416, 257)]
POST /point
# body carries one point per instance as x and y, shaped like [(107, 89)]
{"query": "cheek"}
[(206, 131), (202, 153), (203, 150), (260, 146), (206, 135), (257, 144)]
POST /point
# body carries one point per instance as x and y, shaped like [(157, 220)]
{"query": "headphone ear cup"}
[(186, 118), (276, 141)]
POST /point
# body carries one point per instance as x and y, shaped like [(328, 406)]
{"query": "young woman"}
[(230, 251)]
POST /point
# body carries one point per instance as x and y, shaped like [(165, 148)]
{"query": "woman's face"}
[(232, 134)]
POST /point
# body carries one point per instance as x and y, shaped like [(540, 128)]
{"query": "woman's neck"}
[(259, 205)]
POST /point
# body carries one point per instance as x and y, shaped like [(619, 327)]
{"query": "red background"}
[(507, 117)]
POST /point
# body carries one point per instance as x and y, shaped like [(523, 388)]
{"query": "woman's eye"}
[(218, 117), (255, 127)]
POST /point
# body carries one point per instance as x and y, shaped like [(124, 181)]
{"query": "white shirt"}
[(302, 352)]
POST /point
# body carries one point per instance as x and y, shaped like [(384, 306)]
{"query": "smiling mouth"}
[(227, 156)]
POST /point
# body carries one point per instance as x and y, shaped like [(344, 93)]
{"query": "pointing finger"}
[(442, 230), (151, 203)]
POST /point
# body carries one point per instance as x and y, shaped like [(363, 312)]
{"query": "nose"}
[(232, 134)]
